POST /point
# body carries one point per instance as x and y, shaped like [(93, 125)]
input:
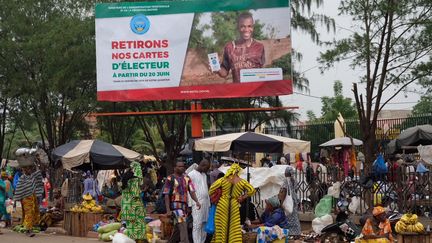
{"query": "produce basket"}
[(249, 237)]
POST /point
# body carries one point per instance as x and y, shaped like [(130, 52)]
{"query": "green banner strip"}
[(112, 10)]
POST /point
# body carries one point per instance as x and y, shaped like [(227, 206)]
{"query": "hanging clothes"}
[(297, 157), (353, 160), (47, 187), (346, 161)]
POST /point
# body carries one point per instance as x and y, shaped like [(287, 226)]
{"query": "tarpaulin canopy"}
[(343, 141), (413, 136), (252, 142), (100, 155)]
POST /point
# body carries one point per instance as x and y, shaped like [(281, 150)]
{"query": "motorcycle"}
[(345, 229)]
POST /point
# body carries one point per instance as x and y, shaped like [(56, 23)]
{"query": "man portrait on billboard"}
[(243, 53)]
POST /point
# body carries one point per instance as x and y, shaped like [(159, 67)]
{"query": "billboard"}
[(196, 49)]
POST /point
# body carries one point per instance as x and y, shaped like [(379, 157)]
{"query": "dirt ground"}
[(9, 236)]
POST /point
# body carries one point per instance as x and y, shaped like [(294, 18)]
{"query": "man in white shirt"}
[(199, 179)]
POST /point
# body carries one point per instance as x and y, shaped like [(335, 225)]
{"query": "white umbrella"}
[(344, 141)]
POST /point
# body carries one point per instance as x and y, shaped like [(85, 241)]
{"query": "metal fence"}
[(320, 132), (402, 189)]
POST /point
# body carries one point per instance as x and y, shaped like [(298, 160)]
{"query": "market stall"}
[(251, 142), (94, 155)]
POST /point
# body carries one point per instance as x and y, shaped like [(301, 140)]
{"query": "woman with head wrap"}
[(29, 191), (288, 189), (132, 207), (378, 227), (273, 224), (273, 214), (227, 218)]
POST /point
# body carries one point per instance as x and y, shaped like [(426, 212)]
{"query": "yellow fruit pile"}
[(409, 223), (87, 206)]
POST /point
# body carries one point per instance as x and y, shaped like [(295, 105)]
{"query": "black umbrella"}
[(95, 154)]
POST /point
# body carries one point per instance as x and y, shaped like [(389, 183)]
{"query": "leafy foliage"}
[(424, 106), (44, 47), (332, 106), (302, 18), (391, 41)]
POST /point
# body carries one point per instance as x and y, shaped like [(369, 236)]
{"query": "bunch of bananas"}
[(409, 223), (87, 206)]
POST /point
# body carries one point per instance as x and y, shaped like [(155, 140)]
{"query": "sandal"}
[(30, 234)]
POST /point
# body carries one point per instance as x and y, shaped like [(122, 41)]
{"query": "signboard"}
[(196, 49)]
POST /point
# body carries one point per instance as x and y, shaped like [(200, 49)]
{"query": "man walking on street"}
[(176, 191), (199, 179)]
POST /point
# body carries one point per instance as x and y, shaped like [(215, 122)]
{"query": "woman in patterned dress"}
[(288, 189), (132, 207), (378, 227), (227, 218)]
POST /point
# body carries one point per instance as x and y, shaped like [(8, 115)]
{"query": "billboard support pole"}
[(196, 127), (196, 119)]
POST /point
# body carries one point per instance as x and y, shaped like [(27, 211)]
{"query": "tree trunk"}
[(369, 143)]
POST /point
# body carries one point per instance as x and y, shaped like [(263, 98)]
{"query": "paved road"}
[(9, 236)]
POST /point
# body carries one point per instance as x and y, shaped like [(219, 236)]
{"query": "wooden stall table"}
[(414, 238), (78, 224)]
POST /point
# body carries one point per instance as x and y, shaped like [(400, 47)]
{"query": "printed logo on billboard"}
[(140, 24)]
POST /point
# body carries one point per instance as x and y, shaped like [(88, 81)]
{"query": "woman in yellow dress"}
[(227, 218)]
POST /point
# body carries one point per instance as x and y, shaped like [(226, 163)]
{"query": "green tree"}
[(391, 43), (249, 121), (171, 129), (311, 116), (46, 48), (332, 106), (424, 106), (302, 18)]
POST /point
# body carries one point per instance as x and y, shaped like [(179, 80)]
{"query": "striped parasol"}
[(98, 154)]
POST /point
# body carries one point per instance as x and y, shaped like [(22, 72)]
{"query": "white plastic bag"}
[(334, 190), (122, 238), (288, 204), (354, 205), (425, 153), (320, 223), (357, 205)]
